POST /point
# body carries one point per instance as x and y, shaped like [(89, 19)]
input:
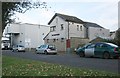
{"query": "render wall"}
[(119, 14), (60, 45), (34, 35), (14, 28), (76, 30), (94, 32), (30, 35), (57, 22), (77, 41), (17, 31)]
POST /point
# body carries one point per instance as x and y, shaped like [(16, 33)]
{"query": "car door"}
[(98, 49), (43, 48), (40, 49), (89, 50)]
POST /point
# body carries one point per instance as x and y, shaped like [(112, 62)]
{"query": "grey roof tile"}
[(67, 18)]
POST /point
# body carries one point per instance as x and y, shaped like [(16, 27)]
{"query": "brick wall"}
[(76, 41), (60, 45)]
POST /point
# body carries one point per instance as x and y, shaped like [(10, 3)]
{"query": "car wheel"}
[(36, 52), (82, 54), (45, 52), (106, 55), (17, 50), (12, 50), (55, 53)]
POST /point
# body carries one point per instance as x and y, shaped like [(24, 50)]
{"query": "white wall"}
[(30, 35), (112, 36), (76, 32), (14, 28), (34, 34), (73, 32), (94, 32), (119, 14), (57, 22)]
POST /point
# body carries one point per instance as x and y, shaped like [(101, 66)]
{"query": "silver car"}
[(47, 48), (19, 48)]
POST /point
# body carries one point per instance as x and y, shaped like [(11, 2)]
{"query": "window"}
[(44, 46), (77, 27), (56, 20), (91, 46), (81, 28), (41, 46), (104, 46), (103, 33), (52, 28), (54, 40), (47, 40), (98, 45), (62, 27), (62, 39)]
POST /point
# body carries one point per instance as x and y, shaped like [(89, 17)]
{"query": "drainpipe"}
[(68, 41)]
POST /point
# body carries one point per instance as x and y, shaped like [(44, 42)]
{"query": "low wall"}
[(76, 42), (30, 49)]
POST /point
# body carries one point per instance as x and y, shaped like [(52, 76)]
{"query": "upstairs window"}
[(56, 20), (62, 27), (53, 28), (77, 27), (81, 28)]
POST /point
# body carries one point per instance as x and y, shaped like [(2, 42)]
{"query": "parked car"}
[(101, 49), (75, 50), (19, 48), (47, 48)]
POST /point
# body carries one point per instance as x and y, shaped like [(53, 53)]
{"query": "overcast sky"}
[(104, 12)]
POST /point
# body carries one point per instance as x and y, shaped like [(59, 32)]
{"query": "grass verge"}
[(13, 66)]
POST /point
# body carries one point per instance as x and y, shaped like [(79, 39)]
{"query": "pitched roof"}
[(67, 18), (89, 24)]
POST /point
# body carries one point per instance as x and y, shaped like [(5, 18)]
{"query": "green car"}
[(101, 49)]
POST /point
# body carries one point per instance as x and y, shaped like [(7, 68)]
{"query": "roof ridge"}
[(67, 15), (67, 18)]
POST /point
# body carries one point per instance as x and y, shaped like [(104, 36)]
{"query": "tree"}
[(9, 9), (117, 37)]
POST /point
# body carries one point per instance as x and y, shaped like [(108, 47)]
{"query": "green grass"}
[(12, 66)]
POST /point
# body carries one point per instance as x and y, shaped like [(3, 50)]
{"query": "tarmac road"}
[(110, 65)]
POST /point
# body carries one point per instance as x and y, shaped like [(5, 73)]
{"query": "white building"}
[(65, 27), (118, 14), (94, 30), (112, 35), (28, 35)]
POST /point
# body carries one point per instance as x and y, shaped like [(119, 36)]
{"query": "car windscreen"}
[(112, 44), (52, 47)]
